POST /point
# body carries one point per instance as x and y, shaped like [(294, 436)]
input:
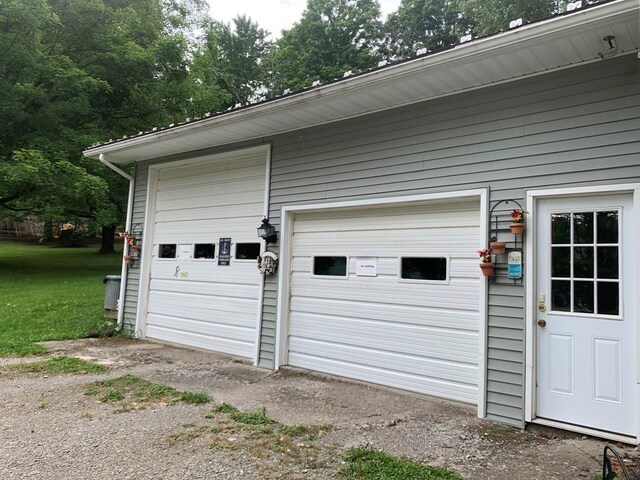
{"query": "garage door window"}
[(204, 251), (330, 266), (432, 269), (247, 251), (167, 250)]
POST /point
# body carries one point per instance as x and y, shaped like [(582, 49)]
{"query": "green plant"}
[(225, 407), (62, 364), (195, 398), (368, 464), (50, 294), (259, 417), (137, 391)]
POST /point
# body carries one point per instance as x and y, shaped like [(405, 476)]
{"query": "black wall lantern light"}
[(267, 232)]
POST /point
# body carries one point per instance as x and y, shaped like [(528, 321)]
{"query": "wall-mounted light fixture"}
[(612, 51), (267, 232)]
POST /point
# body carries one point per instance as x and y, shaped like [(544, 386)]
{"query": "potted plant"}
[(128, 259), (498, 247), (517, 222), (487, 267)]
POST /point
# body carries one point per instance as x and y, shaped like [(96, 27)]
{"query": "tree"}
[(419, 24), (75, 72), (490, 16), (331, 38), (229, 69)]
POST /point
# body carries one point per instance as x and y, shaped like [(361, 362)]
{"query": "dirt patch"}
[(50, 429)]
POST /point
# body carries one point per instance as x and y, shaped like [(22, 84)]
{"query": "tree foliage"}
[(332, 37), (420, 24)]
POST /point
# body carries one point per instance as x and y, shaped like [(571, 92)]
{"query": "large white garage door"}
[(389, 295), (203, 292)]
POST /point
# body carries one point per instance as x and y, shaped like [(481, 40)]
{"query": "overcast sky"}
[(273, 15)]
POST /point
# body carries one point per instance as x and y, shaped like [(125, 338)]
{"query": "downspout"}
[(125, 247)]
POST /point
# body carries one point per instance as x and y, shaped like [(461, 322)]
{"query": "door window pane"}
[(247, 251), (608, 262), (561, 295), (561, 262), (583, 297), (167, 250), (583, 262), (424, 268), (607, 227), (330, 266), (204, 250), (608, 298), (560, 228), (583, 227)]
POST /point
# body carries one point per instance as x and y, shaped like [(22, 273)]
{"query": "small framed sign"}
[(224, 254), (367, 267), (514, 265)]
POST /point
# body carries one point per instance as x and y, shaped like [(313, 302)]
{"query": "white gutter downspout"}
[(125, 247)]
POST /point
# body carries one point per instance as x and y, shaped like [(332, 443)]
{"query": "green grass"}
[(50, 293), (59, 365), (136, 392), (369, 464)]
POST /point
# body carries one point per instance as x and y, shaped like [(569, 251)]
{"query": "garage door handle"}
[(542, 323)]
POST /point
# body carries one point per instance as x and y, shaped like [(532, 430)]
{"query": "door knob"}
[(542, 323)]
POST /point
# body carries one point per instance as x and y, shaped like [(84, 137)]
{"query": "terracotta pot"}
[(134, 248), (517, 228), (498, 247), (487, 269), (127, 259)]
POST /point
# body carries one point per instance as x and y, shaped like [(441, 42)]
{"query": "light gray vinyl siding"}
[(574, 127), (133, 273)]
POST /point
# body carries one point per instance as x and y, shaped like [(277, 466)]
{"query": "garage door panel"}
[(230, 196), (195, 301), (415, 383), (452, 214), (235, 310), (423, 238), (218, 289), (214, 273), (390, 361), (419, 335), (378, 337), (207, 342), (391, 292), (410, 314), (211, 172), (202, 327), (230, 215)]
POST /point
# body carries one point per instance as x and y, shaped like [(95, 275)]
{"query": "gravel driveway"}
[(50, 428)]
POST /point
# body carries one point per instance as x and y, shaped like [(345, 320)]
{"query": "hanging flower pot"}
[(517, 228), (127, 259), (134, 248), (488, 269), (498, 247)]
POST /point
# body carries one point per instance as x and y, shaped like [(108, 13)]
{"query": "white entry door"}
[(586, 323)]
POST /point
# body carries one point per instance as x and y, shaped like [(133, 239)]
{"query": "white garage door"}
[(198, 297), (389, 295)]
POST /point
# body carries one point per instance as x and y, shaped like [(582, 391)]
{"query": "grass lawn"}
[(50, 293)]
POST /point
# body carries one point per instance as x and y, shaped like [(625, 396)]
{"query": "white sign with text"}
[(366, 267)]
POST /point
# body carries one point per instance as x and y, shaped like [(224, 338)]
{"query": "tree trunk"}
[(106, 245)]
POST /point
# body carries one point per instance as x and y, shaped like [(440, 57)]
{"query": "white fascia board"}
[(505, 42)]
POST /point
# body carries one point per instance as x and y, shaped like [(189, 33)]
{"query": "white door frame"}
[(530, 293), (149, 230), (284, 269)]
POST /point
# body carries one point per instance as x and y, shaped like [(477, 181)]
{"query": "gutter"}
[(125, 247)]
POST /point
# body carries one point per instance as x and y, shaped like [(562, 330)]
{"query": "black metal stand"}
[(499, 224)]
